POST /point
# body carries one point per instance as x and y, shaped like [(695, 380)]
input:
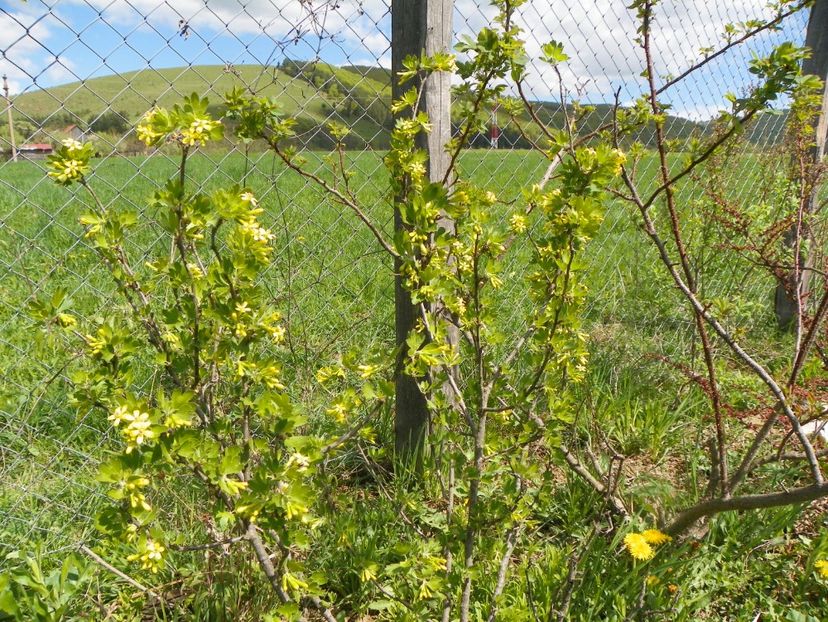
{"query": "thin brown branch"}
[(723, 333), (118, 573), (505, 562), (675, 228), (688, 517), (340, 198)]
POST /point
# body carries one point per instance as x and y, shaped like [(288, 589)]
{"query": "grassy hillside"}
[(137, 91), (314, 92), (313, 99)]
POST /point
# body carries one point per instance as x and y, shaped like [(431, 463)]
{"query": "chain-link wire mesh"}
[(88, 69)]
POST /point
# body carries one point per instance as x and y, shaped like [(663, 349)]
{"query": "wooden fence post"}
[(785, 306), (417, 27)]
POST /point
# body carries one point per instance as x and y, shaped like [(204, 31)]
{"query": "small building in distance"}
[(34, 151), (74, 132)]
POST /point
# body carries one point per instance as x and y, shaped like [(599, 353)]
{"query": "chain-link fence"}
[(88, 69)]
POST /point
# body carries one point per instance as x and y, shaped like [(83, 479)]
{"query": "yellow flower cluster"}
[(191, 127), (258, 233), (273, 327), (821, 566), (640, 545), (132, 491), (147, 131), (72, 145), (198, 132), (238, 316), (150, 555), (137, 426), (67, 169), (619, 159), (517, 223)]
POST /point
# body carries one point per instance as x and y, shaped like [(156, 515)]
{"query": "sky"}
[(47, 43)]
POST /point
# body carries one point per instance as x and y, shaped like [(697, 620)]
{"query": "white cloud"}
[(24, 38), (277, 19), (599, 36)]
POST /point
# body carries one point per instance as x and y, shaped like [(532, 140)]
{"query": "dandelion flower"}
[(638, 547), (821, 566), (654, 536)]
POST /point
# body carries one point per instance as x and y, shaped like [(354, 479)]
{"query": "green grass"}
[(335, 288), (329, 277)]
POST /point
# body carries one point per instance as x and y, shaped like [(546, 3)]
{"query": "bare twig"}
[(109, 567), (505, 561), (794, 496), (735, 42)]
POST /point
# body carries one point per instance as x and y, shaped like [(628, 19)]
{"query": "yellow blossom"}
[(146, 131), (821, 566), (277, 333), (66, 321), (137, 426), (368, 572), (620, 160), (638, 547), (72, 144), (518, 223), (656, 537), (195, 271), (338, 411), (151, 557), (198, 132), (301, 461), (67, 170)]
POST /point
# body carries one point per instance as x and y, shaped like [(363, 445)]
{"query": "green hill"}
[(313, 92), (135, 92), (313, 100)]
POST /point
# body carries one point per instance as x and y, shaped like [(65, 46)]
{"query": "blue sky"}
[(46, 43)]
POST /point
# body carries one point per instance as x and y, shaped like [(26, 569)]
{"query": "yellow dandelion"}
[(638, 547), (821, 566), (656, 537)]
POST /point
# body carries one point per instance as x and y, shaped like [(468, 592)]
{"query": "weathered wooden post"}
[(417, 27), (11, 118), (786, 306)]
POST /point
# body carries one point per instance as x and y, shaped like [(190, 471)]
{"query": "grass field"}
[(331, 279), (335, 288)]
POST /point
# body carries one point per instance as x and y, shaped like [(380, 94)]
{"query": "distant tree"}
[(110, 122)]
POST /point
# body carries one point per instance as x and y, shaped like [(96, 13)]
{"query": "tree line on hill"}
[(359, 97)]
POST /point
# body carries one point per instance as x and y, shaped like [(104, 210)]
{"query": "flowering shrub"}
[(187, 369), (197, 323)]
